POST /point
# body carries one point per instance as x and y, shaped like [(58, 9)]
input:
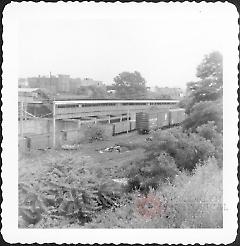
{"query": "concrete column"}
[(21, 119), (54, 124)]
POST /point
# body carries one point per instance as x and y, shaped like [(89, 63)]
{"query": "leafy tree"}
[(98, 92), (210, 87), (130, 85), (93, 92), (211, 67), (203, 101)]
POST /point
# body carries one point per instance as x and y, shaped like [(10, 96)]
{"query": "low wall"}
[(32, 141), (43, 126)]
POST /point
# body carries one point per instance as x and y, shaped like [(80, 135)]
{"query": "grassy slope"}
[(191, 202)]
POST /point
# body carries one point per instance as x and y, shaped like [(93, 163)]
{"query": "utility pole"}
[(54, 124), (21, 119), (127, 119)]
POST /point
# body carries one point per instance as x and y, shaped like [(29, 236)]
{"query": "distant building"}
[(58, 84), (48, 83), (22, 83), (112, 92), (31, 95), (74, 84), (63, 83), (168, 93), (91, 82), (33, 102)]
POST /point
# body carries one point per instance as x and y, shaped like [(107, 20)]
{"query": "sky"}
[(165, 43)]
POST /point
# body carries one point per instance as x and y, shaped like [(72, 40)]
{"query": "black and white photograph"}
[(120, 116)]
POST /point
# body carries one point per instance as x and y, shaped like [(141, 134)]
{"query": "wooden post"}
[(21, 119), (127, 119), (54, 124), (109, 119)]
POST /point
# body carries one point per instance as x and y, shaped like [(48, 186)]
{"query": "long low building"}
[(73, 109)]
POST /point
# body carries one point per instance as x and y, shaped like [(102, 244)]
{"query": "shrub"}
[(195, 201), (94, 133), (69, 191), (209, 132), (150, 173), (203, 112), (190, 201), (187, 149)]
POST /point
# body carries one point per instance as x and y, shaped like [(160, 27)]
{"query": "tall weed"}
[(191, 201), (187, 149)]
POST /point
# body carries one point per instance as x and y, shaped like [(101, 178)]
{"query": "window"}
[(67, 106)]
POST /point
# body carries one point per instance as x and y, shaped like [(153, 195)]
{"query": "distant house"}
[(62, 83), (32, 95), (111, 92), (168, 92), (34, 102), (91, 82), (110, 89), (22, 83)]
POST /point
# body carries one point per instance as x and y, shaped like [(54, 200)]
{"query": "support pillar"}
[(21, 119), (54, 124)]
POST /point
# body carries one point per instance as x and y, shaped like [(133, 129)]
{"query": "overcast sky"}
[(165, 43)]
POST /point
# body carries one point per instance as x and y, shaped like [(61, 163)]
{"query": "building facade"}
[(168, 92), (58, 84)]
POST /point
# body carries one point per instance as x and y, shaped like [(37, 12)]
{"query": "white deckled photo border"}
[(10, 231)]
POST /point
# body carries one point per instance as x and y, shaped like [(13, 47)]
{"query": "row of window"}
[(107, 104), (160, 103), (98, 104)]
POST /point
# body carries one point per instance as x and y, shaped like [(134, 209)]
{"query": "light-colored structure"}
[(168, 92), (22, 83), (91, 82), (62, 83)]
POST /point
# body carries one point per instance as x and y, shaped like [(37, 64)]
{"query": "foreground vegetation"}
[(76, 200), (191, 201), (176, 183)]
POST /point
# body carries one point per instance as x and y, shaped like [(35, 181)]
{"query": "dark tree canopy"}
[(203, 112), (93, 92), (211, 67), (203, 102), (210, 87), (210, 71), (130, 86)]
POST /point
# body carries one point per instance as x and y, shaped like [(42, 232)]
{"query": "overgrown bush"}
[(94, 133), (195, 201), (66, 190), (190, 201), (187, 149), (150, 173), (209, 132), (205, 111)]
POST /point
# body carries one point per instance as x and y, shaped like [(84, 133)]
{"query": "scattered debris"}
[(111, 149), (149, 139), (122, 181), (70, 147)]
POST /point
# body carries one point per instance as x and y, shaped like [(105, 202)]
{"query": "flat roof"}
[(86, 101), (28, 89)]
